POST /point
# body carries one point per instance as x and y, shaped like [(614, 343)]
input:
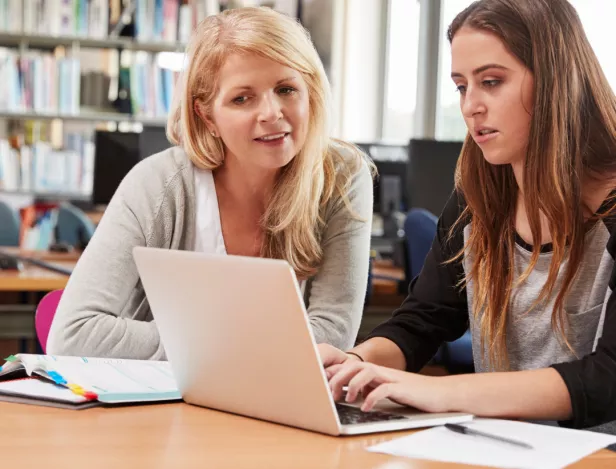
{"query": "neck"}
[(518, 174), (249, 186), (522, 225), (594, 192)]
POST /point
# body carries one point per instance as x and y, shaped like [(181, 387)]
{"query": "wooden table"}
[(34, 278), (48, 256), (184, 436), (388, 286)]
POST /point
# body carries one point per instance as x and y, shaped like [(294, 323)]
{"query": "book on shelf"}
[(39, 81), (43, 84), (39, 168), (167, 21), (148, 87)]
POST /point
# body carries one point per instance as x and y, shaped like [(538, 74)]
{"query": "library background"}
[(86, 87)]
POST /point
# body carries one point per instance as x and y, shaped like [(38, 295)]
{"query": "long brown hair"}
[(572, 137)]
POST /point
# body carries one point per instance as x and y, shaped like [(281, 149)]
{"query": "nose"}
[(472, 103), (270, 109)]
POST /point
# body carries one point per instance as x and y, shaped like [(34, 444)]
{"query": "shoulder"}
[(452, 223), (161, 169), (162, 179), (353, 178), (350, 159), (453, 210)]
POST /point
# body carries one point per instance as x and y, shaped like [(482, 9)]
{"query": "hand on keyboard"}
[(375, 383)]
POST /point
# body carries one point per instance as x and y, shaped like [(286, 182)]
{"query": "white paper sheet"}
[(554, 447)]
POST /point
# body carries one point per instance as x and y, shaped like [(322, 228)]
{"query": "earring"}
[(213, 134)]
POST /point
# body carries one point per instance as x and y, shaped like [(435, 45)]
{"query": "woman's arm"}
[(434, 311), (337, 292), (591, 380), (531, 395), (103, 311), (579, 394), (381, 351)]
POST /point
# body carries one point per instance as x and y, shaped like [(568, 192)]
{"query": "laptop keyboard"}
[(351, 415)]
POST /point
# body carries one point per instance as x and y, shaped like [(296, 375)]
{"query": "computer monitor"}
[(115, 155), (431, 169), (391, 192)]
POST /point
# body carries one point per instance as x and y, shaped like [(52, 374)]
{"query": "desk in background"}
[(33, 278), (185, 436), (20, 291), (16, 320)]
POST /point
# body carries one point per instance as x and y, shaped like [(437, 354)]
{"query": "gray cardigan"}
[(104, 311)]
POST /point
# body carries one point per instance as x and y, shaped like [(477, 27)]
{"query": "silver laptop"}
[(238, 339)]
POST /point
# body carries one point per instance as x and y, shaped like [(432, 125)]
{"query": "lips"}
[(483, 134), (272, 137), (481, 131)]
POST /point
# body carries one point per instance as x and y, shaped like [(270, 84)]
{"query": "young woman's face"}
[(496, 94), (261, 111)]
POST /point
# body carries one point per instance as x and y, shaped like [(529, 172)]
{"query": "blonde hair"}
[(319, 173)]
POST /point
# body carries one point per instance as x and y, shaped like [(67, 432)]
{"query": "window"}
[(597, 19), (401, 71), (449, 122)]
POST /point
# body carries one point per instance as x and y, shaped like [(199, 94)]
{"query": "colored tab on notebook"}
[(90, 395), (11, 358), (76, 389), (56, 377)]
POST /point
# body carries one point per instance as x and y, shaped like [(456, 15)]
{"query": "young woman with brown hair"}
[(525, 248)]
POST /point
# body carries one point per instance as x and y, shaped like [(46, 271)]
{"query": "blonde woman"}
[(254, 173)]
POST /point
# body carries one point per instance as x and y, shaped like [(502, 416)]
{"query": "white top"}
[(208, 230)]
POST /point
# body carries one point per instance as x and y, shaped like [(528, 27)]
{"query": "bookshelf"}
[(68, 67), (48, 195), (16, 40), (86, 116)]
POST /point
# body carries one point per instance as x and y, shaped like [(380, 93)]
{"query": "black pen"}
[(471, 431)]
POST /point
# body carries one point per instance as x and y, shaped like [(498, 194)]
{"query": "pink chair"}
[(43, 317)]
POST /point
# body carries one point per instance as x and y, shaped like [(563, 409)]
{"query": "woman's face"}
[(261, 111), (496, 95)]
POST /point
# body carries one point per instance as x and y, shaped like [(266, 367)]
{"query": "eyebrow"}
[(248, 87), (478, 70)]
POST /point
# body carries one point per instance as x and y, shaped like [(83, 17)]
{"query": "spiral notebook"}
[(80, 382)]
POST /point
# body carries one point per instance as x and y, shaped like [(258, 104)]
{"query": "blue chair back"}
[(9, 225), (420, 230), (73, 226)]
